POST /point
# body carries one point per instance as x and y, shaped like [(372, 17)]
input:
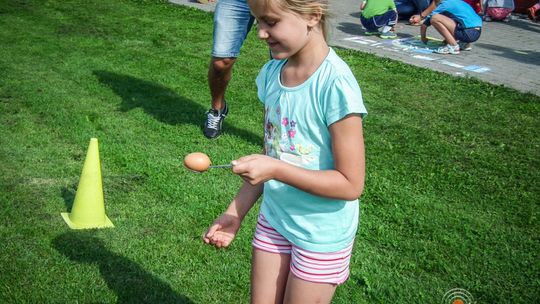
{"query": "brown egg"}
[(197, 161)]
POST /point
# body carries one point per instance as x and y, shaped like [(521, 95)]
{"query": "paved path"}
[(506, 53)]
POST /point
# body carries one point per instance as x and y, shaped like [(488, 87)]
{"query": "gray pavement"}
[(506, 53)]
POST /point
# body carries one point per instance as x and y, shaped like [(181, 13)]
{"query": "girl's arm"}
[(423, 33), (345, 182), (222, 232), (244, 200)]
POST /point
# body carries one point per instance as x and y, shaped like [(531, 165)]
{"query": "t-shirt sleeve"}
[(260, 81), (343, 97)]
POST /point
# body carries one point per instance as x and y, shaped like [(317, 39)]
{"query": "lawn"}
[(452, 190)]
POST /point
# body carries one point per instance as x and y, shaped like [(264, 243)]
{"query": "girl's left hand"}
[(255, 168)]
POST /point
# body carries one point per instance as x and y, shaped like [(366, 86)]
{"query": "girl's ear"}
[(314, 19)]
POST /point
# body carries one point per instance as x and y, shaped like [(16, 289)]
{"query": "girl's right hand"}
[(256, 168), (222, 232), (415, 19)]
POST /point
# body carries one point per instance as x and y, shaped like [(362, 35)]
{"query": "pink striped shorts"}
[(331, 267)]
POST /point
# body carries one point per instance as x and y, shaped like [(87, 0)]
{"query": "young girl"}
[(456, 21), (476, 5), (377, 14), (498, 10), (312, 170)]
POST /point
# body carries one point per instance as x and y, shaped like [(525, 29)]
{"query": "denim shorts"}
[(232, 22), (467, 35)]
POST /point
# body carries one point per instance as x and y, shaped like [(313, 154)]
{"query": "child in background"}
[(532, 12), (456, 21), (418, 19), (476, 5), (312, 170), (378, 14), (498, 10)]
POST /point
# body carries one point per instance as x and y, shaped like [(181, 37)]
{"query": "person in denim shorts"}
[(232, 22)]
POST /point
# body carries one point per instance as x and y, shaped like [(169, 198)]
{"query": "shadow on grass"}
[(163, 103), (68, 194), (129, 281)]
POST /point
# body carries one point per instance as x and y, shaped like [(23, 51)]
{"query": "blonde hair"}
[(303, 8)]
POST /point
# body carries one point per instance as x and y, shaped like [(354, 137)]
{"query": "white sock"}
[(386, 28)]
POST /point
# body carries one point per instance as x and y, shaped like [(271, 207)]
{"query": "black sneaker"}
[(214, 122)]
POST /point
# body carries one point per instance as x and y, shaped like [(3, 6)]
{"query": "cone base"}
[(72, 225)]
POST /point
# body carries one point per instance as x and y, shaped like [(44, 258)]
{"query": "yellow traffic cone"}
[(88, 209)]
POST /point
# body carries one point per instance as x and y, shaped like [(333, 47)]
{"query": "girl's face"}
[(285, 32)]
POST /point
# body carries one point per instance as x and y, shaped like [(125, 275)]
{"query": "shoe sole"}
[(446, 53)]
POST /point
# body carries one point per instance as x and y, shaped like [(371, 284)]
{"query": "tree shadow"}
[(524, 56), (351, 28), (130, 282), (163, 103), (523, 23)]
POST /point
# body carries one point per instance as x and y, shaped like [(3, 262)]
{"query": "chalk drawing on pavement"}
[(417, 49), (424, 57), (475, 68)]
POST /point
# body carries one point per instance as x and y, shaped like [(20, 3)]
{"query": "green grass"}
[(452, 190)]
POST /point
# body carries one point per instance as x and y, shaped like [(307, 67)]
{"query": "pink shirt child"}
[(475, 4)]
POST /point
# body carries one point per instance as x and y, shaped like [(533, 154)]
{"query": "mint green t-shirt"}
[(377, 7), (297, 121)]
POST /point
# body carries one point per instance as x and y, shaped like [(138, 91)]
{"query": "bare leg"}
[(445, 26), (299, 291), (219, 75), (269, 273)]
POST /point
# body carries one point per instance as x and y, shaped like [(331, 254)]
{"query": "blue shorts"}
[(467, 35), (374, 23), (232, 22)]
